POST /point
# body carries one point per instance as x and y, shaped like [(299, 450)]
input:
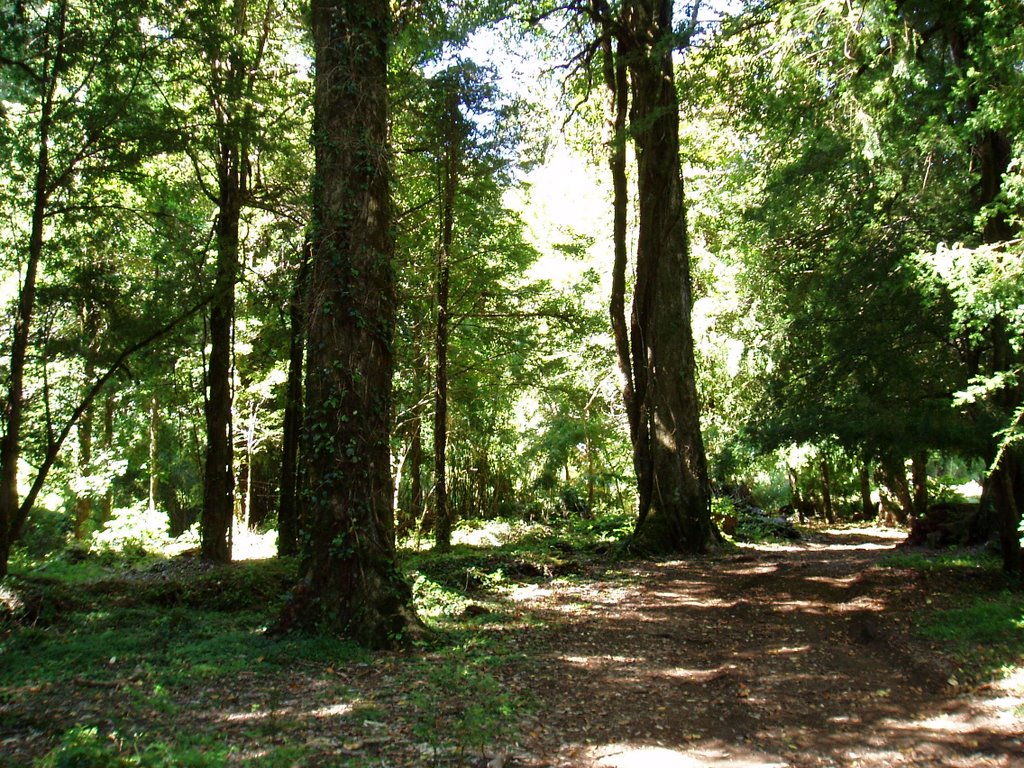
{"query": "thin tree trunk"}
[(442, 512), (867, 506), (616, 112), (289, 522), (154, 451), (218, 493), (826, 491), (233, 109), (107, 505), (84, 498), (794, 491), (10, 445), (452, 150), (1005, 482), (409, 510), (919, 480)]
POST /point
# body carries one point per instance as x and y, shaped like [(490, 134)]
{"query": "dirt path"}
[(798, 656), (777, 657)]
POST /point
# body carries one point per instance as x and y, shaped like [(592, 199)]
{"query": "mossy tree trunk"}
[(351, 583)]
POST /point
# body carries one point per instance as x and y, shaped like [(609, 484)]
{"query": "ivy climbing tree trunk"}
[(351, 584)]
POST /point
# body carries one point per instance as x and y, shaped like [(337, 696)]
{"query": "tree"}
[(238, 101), (80, 74), (655, 350), (827, 140), (351, 583)]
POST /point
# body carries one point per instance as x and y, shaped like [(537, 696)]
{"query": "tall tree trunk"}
[(826, 491), (154, 451), (351, 583), (616, 112), (675, 512), (289, 523), (894, 474), (411, 508), (84, 497), (10, 445), (867, 506), (449, 180), (993, 152), (919, 481), (107, 505), (218, 492), (1005, 482), (416, 472), (246, 470)]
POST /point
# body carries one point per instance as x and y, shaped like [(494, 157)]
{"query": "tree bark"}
[(449, 171), (84, 498), (894, 474), (351, 583), (826, 491), (993, 152), (289, 520), (218, 490), (10, 445), (616, 112), (675, 510), (154, 451), (107, 504), (867, 506), (232, 83), (919, 481)]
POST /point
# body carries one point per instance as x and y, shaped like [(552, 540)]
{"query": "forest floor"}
[(804, 654)]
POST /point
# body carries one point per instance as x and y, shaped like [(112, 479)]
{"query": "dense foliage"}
[(853, 193)]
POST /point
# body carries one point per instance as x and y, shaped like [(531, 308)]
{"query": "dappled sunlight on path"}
[(793, 655)]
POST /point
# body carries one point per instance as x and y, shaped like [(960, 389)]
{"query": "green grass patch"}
[(165, 646), (164, 629), (978, 613), (984, 633), (86, 747), (462, 708), (929, 562)]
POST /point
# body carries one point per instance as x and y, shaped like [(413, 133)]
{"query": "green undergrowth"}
[(469, 583), (977, 612), (984, 632), (182, 628), (159, 635)]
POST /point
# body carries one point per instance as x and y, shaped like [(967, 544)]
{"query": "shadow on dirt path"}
[(790, 656)]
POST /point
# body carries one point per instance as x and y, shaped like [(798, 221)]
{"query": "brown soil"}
[(802, 656), (791, 656)]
